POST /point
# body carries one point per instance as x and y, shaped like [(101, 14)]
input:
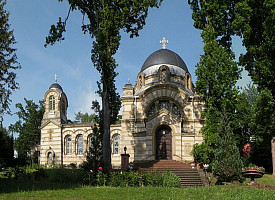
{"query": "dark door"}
[(164, 143)]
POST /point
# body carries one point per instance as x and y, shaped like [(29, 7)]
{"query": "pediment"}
[(49, 123)]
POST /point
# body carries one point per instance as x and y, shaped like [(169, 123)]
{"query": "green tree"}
[(217, 74), (263, 126), (227, 164), (27, 127), (6, 148), (220, 14), (85, 118), (8, 61), (94, 156), (243, 116), (106, 19), (255, 23)]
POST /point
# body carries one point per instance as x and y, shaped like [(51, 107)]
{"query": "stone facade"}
[(161, 118)]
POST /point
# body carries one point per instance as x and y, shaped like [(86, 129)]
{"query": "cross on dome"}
[(55, 78), (163, 42)]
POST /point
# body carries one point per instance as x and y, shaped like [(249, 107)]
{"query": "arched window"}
[(151, 110), (140, 82), (79, 145), (187, 82), (68, 145), (163, 75), (52, 103), (63, 109), (176, 111), (163, 104), (90, 143), (116, 144)]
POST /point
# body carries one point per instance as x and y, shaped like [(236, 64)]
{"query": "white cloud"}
[(83, 101)]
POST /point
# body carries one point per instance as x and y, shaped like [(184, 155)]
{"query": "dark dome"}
[(56, 86), (164, 56)]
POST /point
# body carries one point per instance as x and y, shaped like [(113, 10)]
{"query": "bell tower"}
[(56, 104), (55, 114)]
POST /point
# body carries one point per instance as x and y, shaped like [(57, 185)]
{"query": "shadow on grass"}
[(20, 185)]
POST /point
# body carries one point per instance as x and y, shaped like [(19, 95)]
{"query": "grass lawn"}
[(39, 190), (216, 192)]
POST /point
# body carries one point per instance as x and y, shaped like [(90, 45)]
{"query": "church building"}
[(161, 118)]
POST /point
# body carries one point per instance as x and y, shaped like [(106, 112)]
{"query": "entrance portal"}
[(164, 143)]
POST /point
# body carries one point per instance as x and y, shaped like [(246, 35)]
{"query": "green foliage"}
[(152, 179), (255, 24), (218, 14), (106, 19), (137, 179), (169, 179), (241, 123), (61, 176), (265, 106), (85, 118), (8, 61), (118, 179), (253, 21), (203, 153), (94, 156), (217, 74), (101, 178), (257, 31), (29, 172), (263, 128), (6, 148), (227, 163), (27, 126)]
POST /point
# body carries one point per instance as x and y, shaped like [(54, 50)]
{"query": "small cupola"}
[(56, 103)]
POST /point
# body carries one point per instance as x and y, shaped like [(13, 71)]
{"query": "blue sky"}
[(70, 59)]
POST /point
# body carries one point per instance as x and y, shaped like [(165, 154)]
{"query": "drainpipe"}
[(135, 114), (193, 118), (62, 144)]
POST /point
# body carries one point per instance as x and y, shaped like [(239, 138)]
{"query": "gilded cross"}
[(163, 42)]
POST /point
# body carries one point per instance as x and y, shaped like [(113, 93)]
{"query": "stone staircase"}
[(188, 176)]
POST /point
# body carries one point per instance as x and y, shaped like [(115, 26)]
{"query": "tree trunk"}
[(106, 145), (273, 153)]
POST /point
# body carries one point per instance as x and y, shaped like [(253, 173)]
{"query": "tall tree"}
[(220, 14), (217, 74), (245, 107), (6, 148), (27, 127), (263, 127), (8, 61), (255, 23), (106, 19)]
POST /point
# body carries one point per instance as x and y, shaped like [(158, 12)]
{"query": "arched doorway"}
[(164, 142)]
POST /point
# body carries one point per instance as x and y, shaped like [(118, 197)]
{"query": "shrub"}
[(134, 179), (73, 176), (203, 153), (118, 179), (169, 179), (101, 178), (227, 164), (151, 179)]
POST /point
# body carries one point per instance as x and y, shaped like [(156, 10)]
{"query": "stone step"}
[(188, 177)]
